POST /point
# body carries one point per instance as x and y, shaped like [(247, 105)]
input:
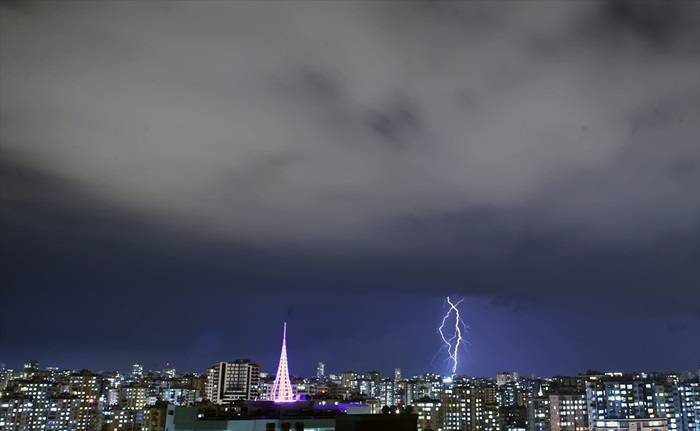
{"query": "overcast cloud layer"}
[(508, 150)]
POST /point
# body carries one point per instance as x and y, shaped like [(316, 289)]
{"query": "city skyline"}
[(235, 396), (127, 370), (172, 174)]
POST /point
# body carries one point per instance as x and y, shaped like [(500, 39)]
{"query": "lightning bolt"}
[(452, 350)]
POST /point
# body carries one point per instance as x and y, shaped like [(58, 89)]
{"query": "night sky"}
[(179, 178)]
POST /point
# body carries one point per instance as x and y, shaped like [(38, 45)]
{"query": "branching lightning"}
[(452, 349)]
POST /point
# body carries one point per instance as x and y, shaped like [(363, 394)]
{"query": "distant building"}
[(231, 381), (387, 392), (30, 368), (320, 370), (347, 379), (136, 371), (505, 377), (432, 386), (5, 376), (180, 396), (169, 371)]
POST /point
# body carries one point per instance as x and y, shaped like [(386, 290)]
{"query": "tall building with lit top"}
[(136, 371)]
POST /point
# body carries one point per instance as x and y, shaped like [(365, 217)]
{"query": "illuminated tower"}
[(282, 387)]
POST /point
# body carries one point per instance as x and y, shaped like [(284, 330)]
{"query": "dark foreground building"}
[(267, 416)]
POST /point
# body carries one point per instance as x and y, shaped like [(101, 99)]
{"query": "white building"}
[(231, 381)]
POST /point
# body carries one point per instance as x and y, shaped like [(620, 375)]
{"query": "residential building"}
[(231, 381)]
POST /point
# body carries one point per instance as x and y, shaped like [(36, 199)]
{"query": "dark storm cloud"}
[(395, 122), (656, 21), (516, 151)]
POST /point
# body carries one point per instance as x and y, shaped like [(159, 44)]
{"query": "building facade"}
[(232, 381)]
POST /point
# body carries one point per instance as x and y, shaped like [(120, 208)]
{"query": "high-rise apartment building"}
[(458, 407), (86, 386), (429, 414), (538, 418), (568, 412), (15, 413), (231, 381), (320, 371), (407, 391), (619, 396), (63, 413), (136, 371), (688, 410), (348, 379), (38, 392), (133, 397), (387, 392)]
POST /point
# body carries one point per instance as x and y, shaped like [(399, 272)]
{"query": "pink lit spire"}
[(282, 388)]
